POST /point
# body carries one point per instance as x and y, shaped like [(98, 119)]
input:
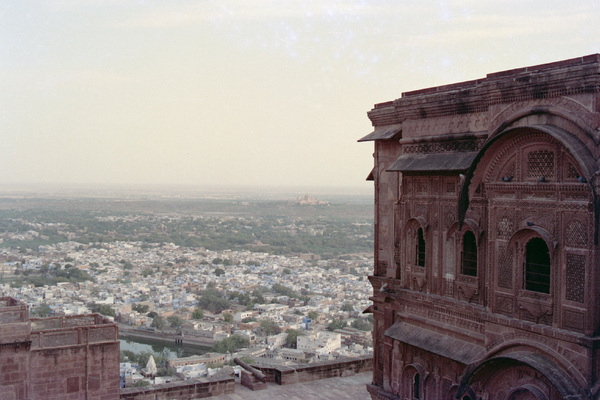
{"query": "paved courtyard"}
[(350, 388)]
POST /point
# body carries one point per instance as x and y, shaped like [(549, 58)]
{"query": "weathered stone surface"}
[(511, 159), (54, 358)]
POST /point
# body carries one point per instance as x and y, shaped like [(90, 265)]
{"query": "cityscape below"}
[(194, 282)]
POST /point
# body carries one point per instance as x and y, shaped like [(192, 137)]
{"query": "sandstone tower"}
[(59, 358)]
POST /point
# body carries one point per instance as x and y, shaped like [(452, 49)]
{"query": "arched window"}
[(420, 259), (416, 386), (469, 255), (537, 266)]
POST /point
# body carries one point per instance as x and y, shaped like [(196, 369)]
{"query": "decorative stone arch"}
[(575, 147), (531, 391), (519, 242), (411, 228), (471, 225), (557, 377), (563, 112), (525, 234), (550, 351), (456, 237), (409, 373), (450, 394), (420, 221)]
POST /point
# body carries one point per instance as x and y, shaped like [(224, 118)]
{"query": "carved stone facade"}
[(486, 281)]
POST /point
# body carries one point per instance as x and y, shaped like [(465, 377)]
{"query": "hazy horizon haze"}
[(265, 93)]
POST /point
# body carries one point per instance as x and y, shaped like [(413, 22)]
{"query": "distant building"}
[(208, 358), (150, 369), (308, 200), (58, 358), (320, 342), (487, 202)]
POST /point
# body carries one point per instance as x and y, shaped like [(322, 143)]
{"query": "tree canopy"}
[(231, 344)]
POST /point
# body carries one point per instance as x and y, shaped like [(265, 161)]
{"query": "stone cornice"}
[(564, 78)]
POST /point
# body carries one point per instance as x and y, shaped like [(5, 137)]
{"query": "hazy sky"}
[(243, 91)]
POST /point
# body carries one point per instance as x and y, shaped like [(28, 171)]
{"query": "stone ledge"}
[(287, 375), (197, 388)]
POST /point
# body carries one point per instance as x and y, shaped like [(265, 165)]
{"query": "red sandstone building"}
[(60, 358), (486, 281)]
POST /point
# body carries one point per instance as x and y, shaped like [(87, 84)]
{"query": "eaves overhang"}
[(455, 161), (443, 345), (385, 132)]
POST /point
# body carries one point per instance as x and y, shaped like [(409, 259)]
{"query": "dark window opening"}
[(416, 389), (537, 266), (420, 261), (469, 255)]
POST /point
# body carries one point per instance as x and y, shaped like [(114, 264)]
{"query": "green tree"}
[(348, 307), (213, 301), (362, 324), (146, 272), (292, 337), (219, 271), (313, 315), (141, 308), (43, 310), (158, 322), (175, 321), (269, 327), (227, 317), (103, 309), (197, 314), (336, 324), (230, 344), (283, 290), (258, 297)]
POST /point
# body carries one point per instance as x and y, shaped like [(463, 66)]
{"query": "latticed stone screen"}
[(505, 272), (82, 320), (540, 163), (572, 172), (576, 234), (102, 334), (62, 338), (7, 317), (505, 228), (46, 323), (575, 277)]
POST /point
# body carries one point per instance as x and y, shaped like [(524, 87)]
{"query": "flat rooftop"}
[(349, 388)]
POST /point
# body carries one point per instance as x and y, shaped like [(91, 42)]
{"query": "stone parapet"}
[(286, 375), (193, 389), (72, 331)]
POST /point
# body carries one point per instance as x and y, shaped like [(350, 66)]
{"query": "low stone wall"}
[(192, 389), (322, 370), (74, 336)]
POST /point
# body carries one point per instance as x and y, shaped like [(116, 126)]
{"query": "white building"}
[(321, 342)]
